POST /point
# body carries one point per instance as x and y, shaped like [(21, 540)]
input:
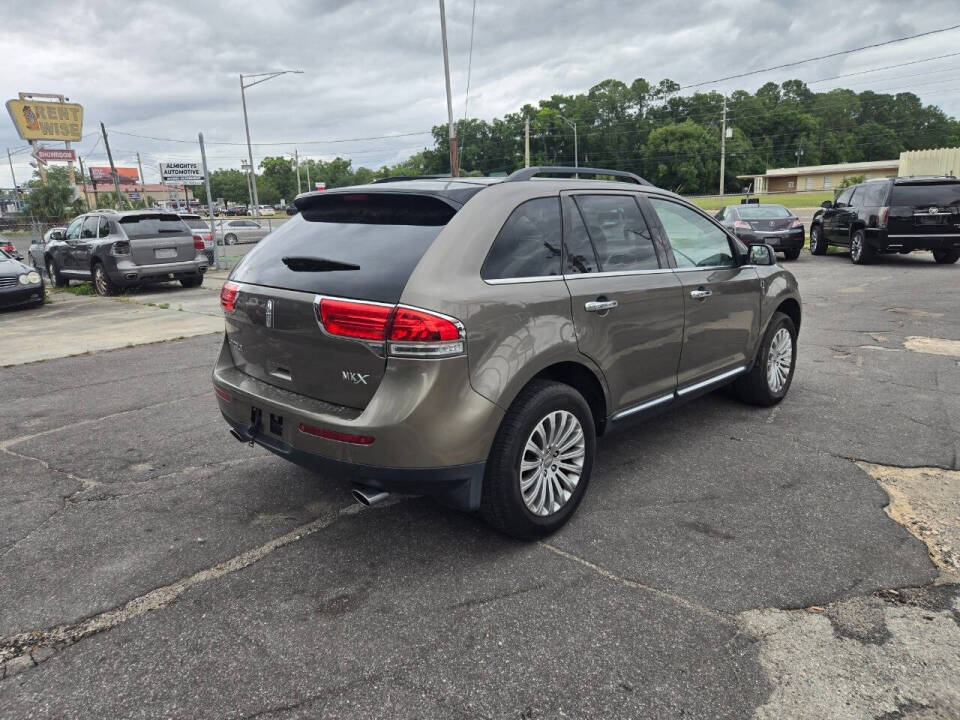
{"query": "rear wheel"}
[(192, 282), (818, 243), (102, 283), (791, 254), (945, 257), (769, 380), (860, 252), (540, 462), (53, 270)]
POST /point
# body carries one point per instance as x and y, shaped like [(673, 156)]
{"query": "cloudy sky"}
[(373, 68)]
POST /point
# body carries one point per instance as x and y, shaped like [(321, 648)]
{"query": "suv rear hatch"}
[(359, 246), (157, 238), (924, 207)]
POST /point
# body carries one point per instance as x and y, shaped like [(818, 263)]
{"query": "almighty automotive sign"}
[(47, 120)]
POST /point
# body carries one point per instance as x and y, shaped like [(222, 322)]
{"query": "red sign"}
[(125, 175), (320, 185), (48, 154)]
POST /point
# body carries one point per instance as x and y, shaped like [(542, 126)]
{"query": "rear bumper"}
[(432, 432), (780, 240), (903, 242), (126, 271)]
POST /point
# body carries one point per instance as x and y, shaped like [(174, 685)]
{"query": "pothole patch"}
[(915, 312)]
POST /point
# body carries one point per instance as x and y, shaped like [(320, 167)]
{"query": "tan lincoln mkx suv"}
[(469, 338)]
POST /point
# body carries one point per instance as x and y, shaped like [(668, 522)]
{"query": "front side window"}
[(89, 228), (73, 231), (619, 233), (528, 244), (696, 241)]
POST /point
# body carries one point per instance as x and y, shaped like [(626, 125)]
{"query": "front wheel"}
[(230, 239), (946, 257), (769, 380), (53, 270), (818, 244), (860, 252), (540, 462)]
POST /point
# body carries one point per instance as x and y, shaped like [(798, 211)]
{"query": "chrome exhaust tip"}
[(369, 496), (239, 436)]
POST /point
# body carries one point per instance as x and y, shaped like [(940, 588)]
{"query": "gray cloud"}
[(373, 67)]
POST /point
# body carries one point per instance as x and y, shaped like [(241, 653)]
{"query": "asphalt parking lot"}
[(727, 561)]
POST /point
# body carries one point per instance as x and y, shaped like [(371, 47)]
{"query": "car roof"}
[(922, 179)]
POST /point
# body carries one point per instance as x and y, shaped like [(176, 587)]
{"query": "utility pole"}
[(16, 195), (206, 182), (799, 152), (113, 169), (526, 144), (452, 130), (309, 186), (296, 157), (83, 179), (723, 143)]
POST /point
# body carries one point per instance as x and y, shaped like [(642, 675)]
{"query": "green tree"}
[(683, 157)]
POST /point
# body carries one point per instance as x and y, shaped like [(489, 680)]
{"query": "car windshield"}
[(931, 194), (139, 226), (763, 212)]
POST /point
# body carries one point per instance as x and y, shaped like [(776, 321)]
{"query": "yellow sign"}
[(47, 120)]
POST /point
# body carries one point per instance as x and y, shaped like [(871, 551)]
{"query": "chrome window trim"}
[(617, 273), (933, 235), (519, 280), (642, 406), (711, 380), (711, 267)]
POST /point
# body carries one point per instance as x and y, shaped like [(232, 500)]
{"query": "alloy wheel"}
[(856, 248), (100, 280), (779, 360), (552, 463)]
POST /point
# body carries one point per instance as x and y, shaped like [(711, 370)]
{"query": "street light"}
[(576, 157), (243, 97)]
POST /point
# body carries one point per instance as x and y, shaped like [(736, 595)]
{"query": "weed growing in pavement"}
[(84, 288), (164, 306)]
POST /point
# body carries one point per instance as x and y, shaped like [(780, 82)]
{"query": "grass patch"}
[(790, 200), (84, 288), (164, 306)]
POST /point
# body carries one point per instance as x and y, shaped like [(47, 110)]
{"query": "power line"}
[(819, 57), (274, 144)]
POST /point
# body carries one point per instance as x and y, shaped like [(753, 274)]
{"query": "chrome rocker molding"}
[(678, 394)]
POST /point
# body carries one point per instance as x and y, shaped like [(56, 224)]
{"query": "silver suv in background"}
[(470, 338), (121, 249), (201, 229)]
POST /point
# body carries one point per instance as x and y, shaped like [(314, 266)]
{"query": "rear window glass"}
[(763, 212), (138, 226), (929, 194), (196, 223), (528, 244), (361, 246)]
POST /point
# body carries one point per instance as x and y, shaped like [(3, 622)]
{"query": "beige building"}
[(153, 193), (940, 161)]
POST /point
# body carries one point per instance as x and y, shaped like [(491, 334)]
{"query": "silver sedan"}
[(231, 232), (38, 246)]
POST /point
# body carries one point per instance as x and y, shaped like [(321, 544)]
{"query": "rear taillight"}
[(228, 296), (796, 223), (742, 224), (8, 248), (882, 216), (222, 394), (406, 331), (359, 320), (336, 435), (120, 248), (198, 243)]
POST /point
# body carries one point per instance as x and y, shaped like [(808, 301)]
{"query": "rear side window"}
[(528, 244), (146, 226), (619, 233), (352, 245), (874, 194), (929, 194)]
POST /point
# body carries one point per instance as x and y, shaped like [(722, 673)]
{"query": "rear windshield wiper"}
[(314, 264)]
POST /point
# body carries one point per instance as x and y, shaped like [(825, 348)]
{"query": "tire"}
[(946, 257), (192, 282), (230, 239), (53, 270), (818, 243), (757, 386), (791, 254), (102, 284), (540, 406), (860, 251)]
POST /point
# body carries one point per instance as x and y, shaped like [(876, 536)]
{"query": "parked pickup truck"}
[(121, 249)]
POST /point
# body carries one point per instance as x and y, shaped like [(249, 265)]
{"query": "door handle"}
[(700, 294), (600, 305)]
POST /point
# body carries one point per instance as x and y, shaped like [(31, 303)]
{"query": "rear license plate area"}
[(165, 253), (276, 425)]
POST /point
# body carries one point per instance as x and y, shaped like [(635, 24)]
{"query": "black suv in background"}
[(892, 215)]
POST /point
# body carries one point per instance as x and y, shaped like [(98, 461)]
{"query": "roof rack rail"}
[(403, 178), (532, 172)]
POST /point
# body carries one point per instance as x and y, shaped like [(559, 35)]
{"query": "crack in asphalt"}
[(17, 652)]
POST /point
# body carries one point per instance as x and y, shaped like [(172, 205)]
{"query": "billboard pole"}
[(83, 179), (206, 183), (113, 169)]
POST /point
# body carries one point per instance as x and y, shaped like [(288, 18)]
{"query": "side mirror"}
[(826, 204), (292, 209), (57, 235), (761, 254)]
